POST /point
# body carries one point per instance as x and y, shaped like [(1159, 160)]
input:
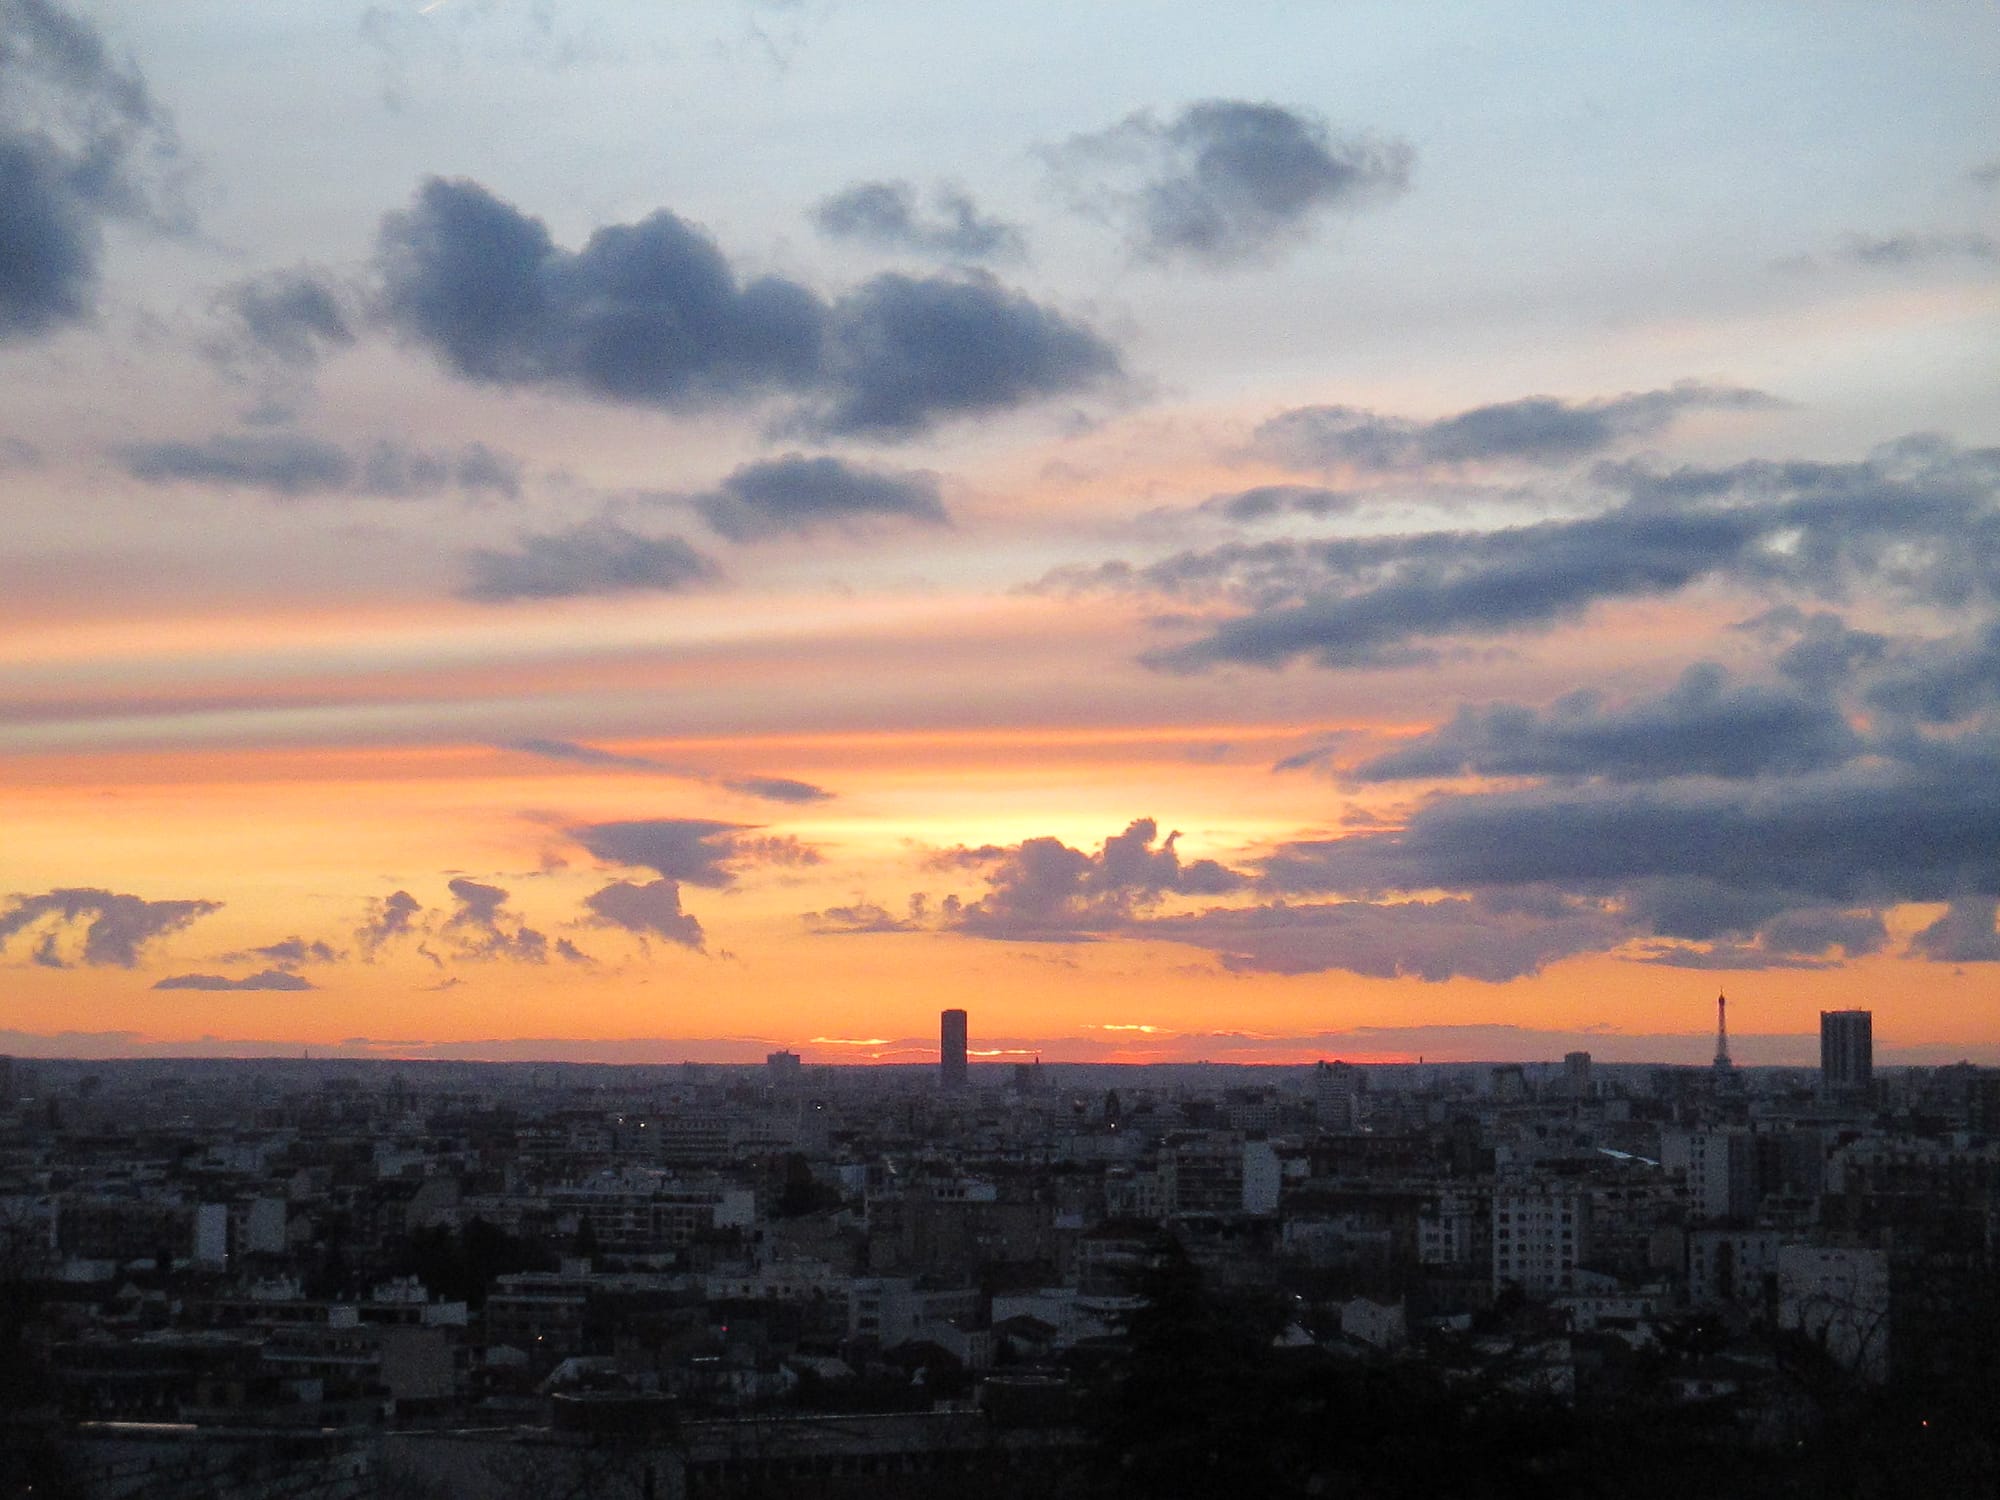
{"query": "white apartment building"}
[(1540, 1236)]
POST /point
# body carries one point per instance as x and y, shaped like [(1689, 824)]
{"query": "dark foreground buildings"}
[(1574, 1277)]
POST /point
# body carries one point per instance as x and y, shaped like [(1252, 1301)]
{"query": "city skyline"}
[(1444, 531)]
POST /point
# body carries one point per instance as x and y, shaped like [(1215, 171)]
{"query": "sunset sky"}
[(643, 532)]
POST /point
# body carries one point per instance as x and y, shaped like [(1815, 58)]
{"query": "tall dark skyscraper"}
[(951, 1049), (1846, 1053)]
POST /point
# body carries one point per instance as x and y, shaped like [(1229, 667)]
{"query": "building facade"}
[(951, 1049), (1846, 1053)]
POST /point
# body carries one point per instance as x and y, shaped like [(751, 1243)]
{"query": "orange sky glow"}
[(1274, 540)]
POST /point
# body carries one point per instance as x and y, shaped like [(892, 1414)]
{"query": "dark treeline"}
[(1203, 1403)]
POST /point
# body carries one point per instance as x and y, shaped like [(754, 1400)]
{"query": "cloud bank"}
[(115, 928), (1227, 182), (653, 314)]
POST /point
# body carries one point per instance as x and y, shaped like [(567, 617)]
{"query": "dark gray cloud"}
[(696, 851), (1814, 930), (293, 317), (48, 242), (910, 351), (649, 312), (289, 953), (649, 910), (595, 557), (1702, 727), (769, 788), (794, 494), (281, 462), (1919, 521), (586, 755), (116, 927), (1381, 601), (1322, 754), (1821, 651), (1533, 430), (889, 216), (1791, 873), (1043, 890), (397, 471), (776, 849), (1700, 908), (1918, 249), (1713, 926), (1860, 836), (1965, 934), (691, 851), (481, 926), (863, 917), (394, 916), (653, 314), (81, 144), (1227, 181), (1730, 827), (1266, 502), (292, 464), (1941, 682), (1726, 958), (776, 789), (265, 979)]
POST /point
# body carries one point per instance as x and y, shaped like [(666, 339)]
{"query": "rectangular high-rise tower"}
[(951, 1049), (1846, 1053)]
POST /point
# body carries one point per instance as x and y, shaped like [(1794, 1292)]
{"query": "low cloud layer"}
[(1910, 832), (1802, 864), (1431, 940), (1226, 181), (653, 314), (1714, 826)]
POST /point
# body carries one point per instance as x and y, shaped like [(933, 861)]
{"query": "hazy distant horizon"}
[(1689, 1051)]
